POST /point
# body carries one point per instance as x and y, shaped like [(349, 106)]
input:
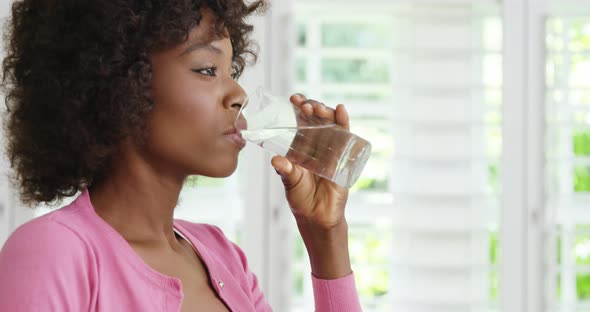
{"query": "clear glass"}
[(314, 143)]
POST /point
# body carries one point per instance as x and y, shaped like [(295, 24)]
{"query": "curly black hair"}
[(77, 81)]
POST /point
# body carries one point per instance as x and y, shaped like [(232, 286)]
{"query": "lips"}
[(231, 131), (236, 137)]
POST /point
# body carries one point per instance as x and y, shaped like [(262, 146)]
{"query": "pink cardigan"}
[(72, 260)]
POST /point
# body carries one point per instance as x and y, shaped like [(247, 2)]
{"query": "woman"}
[(123, 100)]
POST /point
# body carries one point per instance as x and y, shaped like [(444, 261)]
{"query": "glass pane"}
[(494, 178), (356, 35), (349, 97), (492, 29), (354, 70), (301, 35), (582, 179), (579, 97), (493, 117), (494, 247), (494, 142), (554, 40), (582, 245), (555, 69), (375, 176), (494, 284), (370, 250), (583, 286), (558, 287), (582, 142), (298, 280), (301, 64), (582, 256), (579, 69), (492, 70), (579, 34), (493, 97)]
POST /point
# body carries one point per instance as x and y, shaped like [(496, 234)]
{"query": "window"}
[(568, 161)]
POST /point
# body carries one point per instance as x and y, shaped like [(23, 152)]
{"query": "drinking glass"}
[(314, 143)]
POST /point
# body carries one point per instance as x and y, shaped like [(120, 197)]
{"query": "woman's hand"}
[(317, 203)]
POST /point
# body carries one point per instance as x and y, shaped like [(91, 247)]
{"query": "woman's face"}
[(196, 103)]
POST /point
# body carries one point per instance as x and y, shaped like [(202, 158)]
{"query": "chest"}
[(198, 292)]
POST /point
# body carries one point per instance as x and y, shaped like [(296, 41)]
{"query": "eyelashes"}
[(209, 71), (212, 72)]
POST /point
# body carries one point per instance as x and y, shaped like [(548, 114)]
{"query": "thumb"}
[(289, 172)]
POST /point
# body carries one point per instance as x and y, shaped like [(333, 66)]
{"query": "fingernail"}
[(300, 95)]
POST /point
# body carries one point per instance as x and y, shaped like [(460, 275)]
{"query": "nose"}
[(236, 96)]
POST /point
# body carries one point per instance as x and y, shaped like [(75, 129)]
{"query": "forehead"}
[(206, 32)]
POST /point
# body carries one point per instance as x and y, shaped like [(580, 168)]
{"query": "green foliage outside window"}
[(357, 70), (493, 260), (346, 97), (579, 33), (375, 176), (581, 179), (583, 286), (494, 284), (582, 258), (301, 65), (370, 249), (581, 143), (356, 35), (493, 178), (301, 35)]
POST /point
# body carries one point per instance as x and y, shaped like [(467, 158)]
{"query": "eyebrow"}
[(201, 46)]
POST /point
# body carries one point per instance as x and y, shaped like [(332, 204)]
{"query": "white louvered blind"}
[(568, 156), (422, 80)]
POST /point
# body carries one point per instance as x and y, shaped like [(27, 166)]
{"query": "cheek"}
[(183, 103), (185, 121), (184, 117)]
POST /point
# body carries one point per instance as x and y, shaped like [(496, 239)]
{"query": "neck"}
[(138, 199)]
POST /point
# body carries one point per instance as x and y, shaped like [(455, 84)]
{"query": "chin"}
[(219, 170)]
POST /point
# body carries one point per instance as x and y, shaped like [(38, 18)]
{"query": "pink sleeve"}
[(336, 295), (44, 267)]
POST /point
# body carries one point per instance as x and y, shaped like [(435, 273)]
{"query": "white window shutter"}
[(444, 207)]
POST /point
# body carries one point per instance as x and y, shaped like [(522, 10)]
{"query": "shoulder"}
[(55, 230), (47, 262), (47, 239), (52, 244)]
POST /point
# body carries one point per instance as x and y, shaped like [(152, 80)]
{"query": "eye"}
[(209, 71)]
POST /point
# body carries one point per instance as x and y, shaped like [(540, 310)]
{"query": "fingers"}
[(341, 116), (313, 107), (290, 174), (298, 99)]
